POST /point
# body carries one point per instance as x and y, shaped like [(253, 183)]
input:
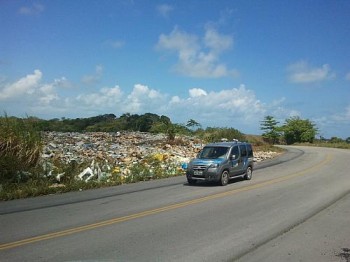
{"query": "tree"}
[(347, 140), (297, 130), (271, 130), (192, 124)]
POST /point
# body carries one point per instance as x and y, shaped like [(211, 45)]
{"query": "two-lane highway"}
[(169, 220)]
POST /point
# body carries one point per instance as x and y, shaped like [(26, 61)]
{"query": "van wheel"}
[(224, 178), (248, 173)]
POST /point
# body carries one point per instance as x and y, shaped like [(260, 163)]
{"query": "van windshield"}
[(213, 152)]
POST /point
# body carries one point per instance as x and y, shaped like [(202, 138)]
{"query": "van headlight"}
[(214, 165)]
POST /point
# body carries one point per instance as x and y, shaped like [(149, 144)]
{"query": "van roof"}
[(227, 144)]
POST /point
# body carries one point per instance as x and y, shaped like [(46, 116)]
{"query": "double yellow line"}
[(161, 209)]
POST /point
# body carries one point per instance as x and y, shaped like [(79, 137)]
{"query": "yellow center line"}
[(161, 209)]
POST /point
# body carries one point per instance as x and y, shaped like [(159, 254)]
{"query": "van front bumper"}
[(206, 175)]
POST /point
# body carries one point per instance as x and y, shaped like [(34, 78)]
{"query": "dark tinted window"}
[(250, 150), (243, 150), (235, 152)]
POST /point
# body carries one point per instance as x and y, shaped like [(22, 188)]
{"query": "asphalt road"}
[(296, 208)]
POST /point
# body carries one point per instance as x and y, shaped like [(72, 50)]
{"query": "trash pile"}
[(115, 154)]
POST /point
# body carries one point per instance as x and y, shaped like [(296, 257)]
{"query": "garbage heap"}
[(108, 154), (105, 156)]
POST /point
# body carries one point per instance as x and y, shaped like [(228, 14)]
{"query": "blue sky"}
[(221, 63)]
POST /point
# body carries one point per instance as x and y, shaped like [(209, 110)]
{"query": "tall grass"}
[(20, 148)]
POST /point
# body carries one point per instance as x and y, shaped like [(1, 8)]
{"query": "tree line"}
[(294, 130)]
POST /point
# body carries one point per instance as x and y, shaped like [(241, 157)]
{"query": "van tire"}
[(248, 173), (224, 178)]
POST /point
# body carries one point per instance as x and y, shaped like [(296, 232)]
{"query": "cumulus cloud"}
[(236, 107), (142, 98), (33, 9), (229, 107), (23, 86), (48, 94), (198, 57), (105, 98), (196, 92), (93, 78), (164, 9), (302, 72)]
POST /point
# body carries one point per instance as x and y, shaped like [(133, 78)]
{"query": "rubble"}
[(263, 155)]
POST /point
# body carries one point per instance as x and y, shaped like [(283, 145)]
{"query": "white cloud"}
[(196, 92), (216, 42), (105, 98), (47, 94), (198, 58), (237, 107), (93, 78), (175, 100), (164, 9), (25, 85), (229, 107), (143, 98), (343, 116), (34, 9), (302, 72)]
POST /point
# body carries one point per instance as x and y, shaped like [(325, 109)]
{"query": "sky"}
[(221, 63)]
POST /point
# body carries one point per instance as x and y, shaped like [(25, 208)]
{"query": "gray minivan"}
[(221, 161)]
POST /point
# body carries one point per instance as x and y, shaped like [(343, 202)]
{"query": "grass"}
[(20, 148)]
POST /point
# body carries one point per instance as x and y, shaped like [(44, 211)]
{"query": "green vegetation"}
[(211, 134), (271, 131), (295, 130), (20, 149), (334, 142)]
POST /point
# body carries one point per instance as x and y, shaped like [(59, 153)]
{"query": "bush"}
[(298, 130)]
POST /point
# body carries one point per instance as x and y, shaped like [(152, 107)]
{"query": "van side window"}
[(243, 150), (250, 150), (235, 152)]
